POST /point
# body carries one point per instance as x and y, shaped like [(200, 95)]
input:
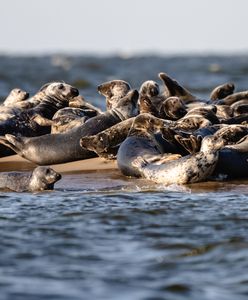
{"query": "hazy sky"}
[(108, 26)]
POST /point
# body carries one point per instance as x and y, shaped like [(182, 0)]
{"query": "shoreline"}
[(17, 163)]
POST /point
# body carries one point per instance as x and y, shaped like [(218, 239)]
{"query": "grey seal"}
[(16, 95), (222, 91), (184, 170), (141, 141), (65, 147), (57, 96), (113, 90), (66, 118), (40, 179)]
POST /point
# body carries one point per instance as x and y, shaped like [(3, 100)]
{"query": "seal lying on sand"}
[(16, 95), (57, 96), (40, 179), (187, 169), (66, 119), (13, 104), (65, 147)]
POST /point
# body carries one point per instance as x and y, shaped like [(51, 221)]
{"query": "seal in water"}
[(184, 170), (113, 91), (65, 147), (42, 178)]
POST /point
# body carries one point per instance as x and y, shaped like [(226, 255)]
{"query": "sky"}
[(127, 26)]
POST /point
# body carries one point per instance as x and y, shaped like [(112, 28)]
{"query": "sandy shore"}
[(15, 163)]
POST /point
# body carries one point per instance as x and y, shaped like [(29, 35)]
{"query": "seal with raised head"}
[(113, 90), (15, 95), (13, 104), (57, 96), (184, 170), (65, 147), (40, 179), (222, 91)]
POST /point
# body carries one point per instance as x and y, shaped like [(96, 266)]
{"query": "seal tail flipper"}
[(15, 142), (241, 145), (175, 89), (4, 141)]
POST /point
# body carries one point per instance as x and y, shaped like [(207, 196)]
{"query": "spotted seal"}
[(113, 90), (40, 179), (65, 147), (184, 170)]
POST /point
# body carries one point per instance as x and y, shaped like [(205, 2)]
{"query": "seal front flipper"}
[(42, 121), (192, 143), (173, 88)]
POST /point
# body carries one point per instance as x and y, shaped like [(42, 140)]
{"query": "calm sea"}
[(101, 236)]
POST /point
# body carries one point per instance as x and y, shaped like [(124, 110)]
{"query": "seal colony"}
[(168, 135)]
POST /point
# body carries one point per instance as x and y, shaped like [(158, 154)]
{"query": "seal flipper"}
[(192, 143), (175, 89), (42, 121), (13, 142), (240, 146)]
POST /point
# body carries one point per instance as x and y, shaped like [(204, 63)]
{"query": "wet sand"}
[(98, 174)]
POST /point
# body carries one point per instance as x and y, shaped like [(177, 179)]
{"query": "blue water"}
[(103, 236)]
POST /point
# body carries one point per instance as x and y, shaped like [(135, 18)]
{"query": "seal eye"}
[(61, 86), (47, 171)]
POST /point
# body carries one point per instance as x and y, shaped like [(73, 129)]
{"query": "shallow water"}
[(100, 235)]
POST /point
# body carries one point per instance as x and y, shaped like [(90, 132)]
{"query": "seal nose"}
[(74, 92), (99, 87), (26, 96), (58, 176)]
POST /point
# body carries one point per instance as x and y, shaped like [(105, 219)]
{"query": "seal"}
[(65, 147), (113, 90), (140, 141), (106, 143), (15, 95), (57, 96), (172, 108), (222, 91), (184, 170), (40, 179), (66, 119), (13, 104)]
